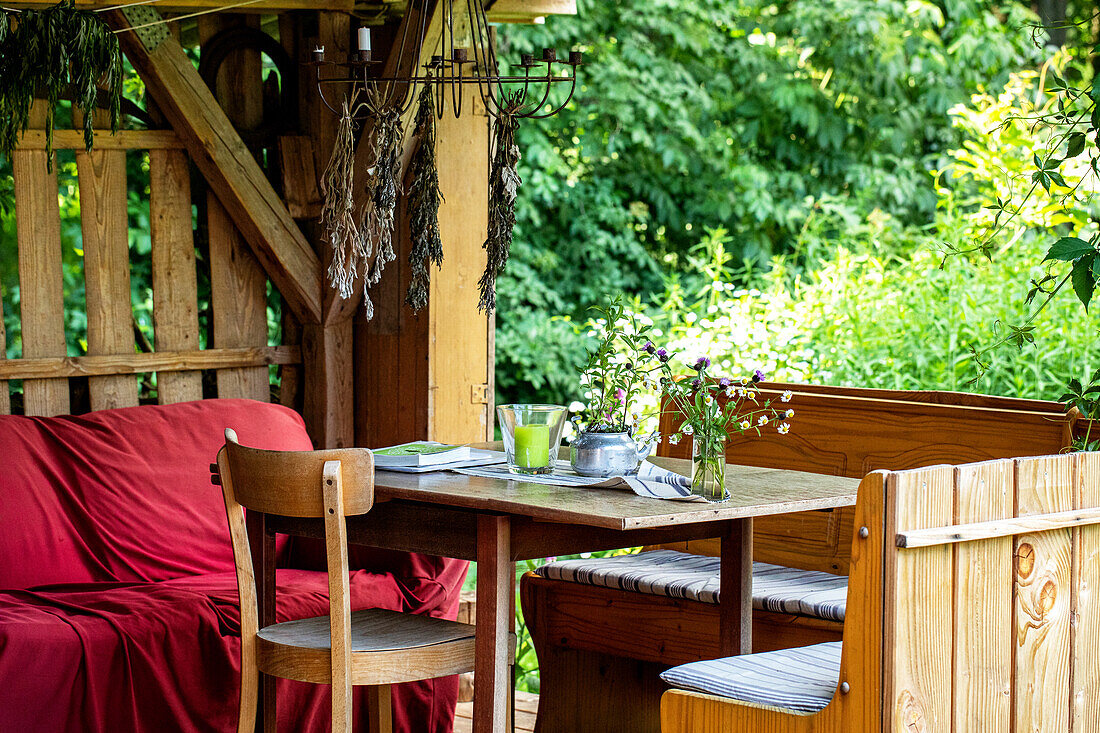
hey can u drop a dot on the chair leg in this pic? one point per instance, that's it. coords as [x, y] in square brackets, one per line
[250, 685]
[380, 717]
[341, 708]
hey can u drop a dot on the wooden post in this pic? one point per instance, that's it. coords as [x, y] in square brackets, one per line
[735, 584]
[495, 595]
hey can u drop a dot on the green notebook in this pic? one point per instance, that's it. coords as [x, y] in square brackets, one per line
[420, 453]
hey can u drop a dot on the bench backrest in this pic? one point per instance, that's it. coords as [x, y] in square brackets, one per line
[852, 432]
[990, 606]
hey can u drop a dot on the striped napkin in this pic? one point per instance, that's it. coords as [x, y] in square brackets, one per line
[651, 481]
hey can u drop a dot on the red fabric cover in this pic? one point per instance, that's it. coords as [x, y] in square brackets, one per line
[118, 602]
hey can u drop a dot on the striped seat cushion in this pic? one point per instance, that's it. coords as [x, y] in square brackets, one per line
[695, 577]
[802, 680]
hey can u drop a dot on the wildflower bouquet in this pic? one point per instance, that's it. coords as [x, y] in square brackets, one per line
[712, 410]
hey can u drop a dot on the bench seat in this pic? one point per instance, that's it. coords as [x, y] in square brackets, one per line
[800, 680]
[681, 575]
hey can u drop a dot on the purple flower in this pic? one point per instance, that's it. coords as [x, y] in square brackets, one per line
[620, 394]
[696, 383]
[649, 348]
[725, 382]
[662, 354]
[758, 376]
[701, 363]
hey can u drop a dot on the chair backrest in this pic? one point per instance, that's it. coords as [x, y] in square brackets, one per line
[331, 484]
[852, 432]
[990, 605]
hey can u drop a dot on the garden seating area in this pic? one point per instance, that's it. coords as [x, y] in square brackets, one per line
[497, 365]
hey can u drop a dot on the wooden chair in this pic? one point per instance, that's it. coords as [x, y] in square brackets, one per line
[371, 647]
[972, 606]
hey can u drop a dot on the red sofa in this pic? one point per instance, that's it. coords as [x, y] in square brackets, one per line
[118, 601]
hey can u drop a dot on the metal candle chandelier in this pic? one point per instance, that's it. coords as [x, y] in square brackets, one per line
[523, 93]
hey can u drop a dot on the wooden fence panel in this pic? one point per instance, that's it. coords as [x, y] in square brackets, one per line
[922, 613]
[105, 227]
[1086, 606]
[983, 603]
[1043, 633]
[38, 232]
[238, 289]
[175, 288]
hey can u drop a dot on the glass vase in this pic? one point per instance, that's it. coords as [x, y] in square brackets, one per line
[532, 436]
[708, 466]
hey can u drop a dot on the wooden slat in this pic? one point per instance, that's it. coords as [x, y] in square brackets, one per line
[161, 361]
[122, 140]
[38, 230]
[977, 531]
[1086, 604]
[103, 217]
[238, 293]
[983, 603]
[921, 615]
[232, 172]
[175, 289]
[5, 395]
[1042, 623]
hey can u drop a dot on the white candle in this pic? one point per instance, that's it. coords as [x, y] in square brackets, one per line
[364, 38]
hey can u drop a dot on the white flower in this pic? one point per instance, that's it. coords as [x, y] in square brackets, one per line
[745, 425]
[708, 400]
[763, 420]
[789, 413]
[688, 430]
[786, 396]
[728, 391]
[751, 395]
[783, 428]
[576, 406]
[674, 439]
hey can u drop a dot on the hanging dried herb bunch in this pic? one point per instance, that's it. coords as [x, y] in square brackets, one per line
[424, 199]
[47, 53]
[503, 186]
[382, 188]
[342, 227]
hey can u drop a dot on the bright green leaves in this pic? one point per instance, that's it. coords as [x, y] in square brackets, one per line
[1083, 277]
[1047, 172]
[1075, 144]
[1068, 249]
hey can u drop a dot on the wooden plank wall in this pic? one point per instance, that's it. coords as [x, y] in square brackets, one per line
[998, 634]
[112, 359]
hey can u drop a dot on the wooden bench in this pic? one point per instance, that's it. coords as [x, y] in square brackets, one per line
[601, 649]
[972, 607]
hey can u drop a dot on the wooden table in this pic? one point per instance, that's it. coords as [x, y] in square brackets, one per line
[498, 522]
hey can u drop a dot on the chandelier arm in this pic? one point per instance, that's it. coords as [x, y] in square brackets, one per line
[485, 69]
[559, 108]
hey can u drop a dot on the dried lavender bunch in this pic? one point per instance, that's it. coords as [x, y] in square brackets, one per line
[48, 50]
[342, 228]
[382, 189]
[424, 199]
[503, 186]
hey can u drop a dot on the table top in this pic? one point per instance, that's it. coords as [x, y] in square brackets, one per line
[754, 492]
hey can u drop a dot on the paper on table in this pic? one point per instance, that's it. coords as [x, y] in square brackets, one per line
[652, 481]
[478, 457]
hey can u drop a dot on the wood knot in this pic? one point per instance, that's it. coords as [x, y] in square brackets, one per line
[1025, 560]
[1048, 594]
[910, 714]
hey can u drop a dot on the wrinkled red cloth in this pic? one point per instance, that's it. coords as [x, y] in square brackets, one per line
[118, 601]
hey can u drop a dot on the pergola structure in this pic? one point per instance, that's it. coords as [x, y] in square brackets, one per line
[253, 147]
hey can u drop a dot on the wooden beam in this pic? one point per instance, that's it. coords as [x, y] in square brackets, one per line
[261, 6]
[528, 11]
[228, 166]
[104, 140]
[976, 531]
[60, 367]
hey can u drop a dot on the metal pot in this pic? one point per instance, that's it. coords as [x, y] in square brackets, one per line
[602, 455]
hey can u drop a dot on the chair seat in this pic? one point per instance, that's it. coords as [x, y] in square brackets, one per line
[800, 680]
[696, 577]
[388, 647]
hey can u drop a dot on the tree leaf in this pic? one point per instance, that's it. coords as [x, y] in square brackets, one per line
[1069, 248]
[1075, 144]
[1083, 280]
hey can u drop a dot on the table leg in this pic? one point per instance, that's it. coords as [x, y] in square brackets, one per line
[495, 579]
[735, 610]
[262, 543]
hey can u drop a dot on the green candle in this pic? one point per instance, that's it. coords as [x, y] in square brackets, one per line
[532, 446]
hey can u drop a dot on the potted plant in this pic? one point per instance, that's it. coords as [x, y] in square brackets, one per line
[614, 375]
